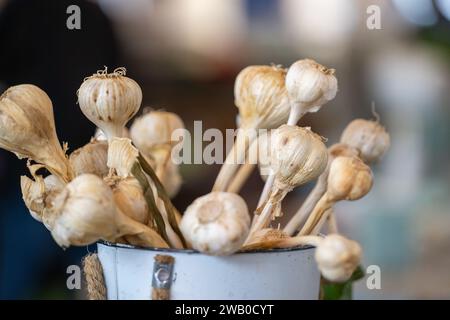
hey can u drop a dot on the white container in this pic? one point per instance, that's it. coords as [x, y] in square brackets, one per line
[260, 274]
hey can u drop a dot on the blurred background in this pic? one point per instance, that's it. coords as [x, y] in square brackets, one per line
[185, 55]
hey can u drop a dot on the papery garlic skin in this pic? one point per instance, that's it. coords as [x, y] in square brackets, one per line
[91, 158]
[261, 97]
[122, 155]
[266, 235]
[299, 156]
[152, 132]
[129, 198]
[27, 128]
[83, 212]
[370, 137]
[110, 101]
[217, 223]
[310, 85]
[39, 194]
[349, 179]
[337, 257]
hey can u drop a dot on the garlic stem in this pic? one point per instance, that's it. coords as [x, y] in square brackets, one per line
[332, 223]
[235, 157]
[262, 220]
[245, 170]
[323, 205]
[325, 218]
[285, 243]
[308, 205]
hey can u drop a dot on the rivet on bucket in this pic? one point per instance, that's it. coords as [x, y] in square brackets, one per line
[162, 277]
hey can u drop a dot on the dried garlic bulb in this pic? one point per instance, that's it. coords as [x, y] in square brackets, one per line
[336, 150]
[39, 193]
[299, 156]
[337, 257]
[262, 100]
[27, 128]
[349, 179]
[90, 158]
[370, 137]
[129, 198]
[309, 85]
[109, 100]
[85, 212]
[216, 223]
[152, 134]
[261, 97]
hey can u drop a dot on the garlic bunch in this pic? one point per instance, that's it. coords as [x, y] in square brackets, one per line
[309, 85]
[85, 212]
[299, 156]
[370, 137]
[262, 100]
[349, 179]
[27, 128]
[217, 223]
[337, 257]
[152, 135]
[109, 100]
[336, 150]
[90, 158]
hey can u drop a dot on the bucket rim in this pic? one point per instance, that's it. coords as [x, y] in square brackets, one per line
[191, 251]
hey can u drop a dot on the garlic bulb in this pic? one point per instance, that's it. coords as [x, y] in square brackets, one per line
[309, 85]
[39, 193]
[216, 223]
[337, 257]
[129, 198]
[85, 211]
[349, 179]
[27, 128]
[261, 97]
[90, 158]
[152, 133]
[109, 100]
[122, 155]
[370, 137]
[299, 156]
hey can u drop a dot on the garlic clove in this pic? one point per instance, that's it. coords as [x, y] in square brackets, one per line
[129, 198]
[261, 97]
[90, 158]
[216, 223]
[122, 155]
[310, 85]
[27, 128]
[337, 257]
[370, 137]
[349, 179]
[110, 100]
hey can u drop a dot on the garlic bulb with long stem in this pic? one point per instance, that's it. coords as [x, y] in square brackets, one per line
[261, 98]
[27, 128]
[309, 86]
[109, 100]
[85, 212]
[368, 136]
[338, 149]
[216, 223]
[349, 179]
[299, 156]
[91, 158]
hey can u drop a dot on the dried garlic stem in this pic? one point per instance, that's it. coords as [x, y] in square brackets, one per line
[284, 243]
[323, 205]
[331, 222]
[245, 170]
[235, 157]
[325, 218]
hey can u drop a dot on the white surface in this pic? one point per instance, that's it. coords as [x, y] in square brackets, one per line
[261, 275]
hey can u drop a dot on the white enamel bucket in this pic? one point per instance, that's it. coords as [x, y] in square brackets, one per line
[274, 274]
